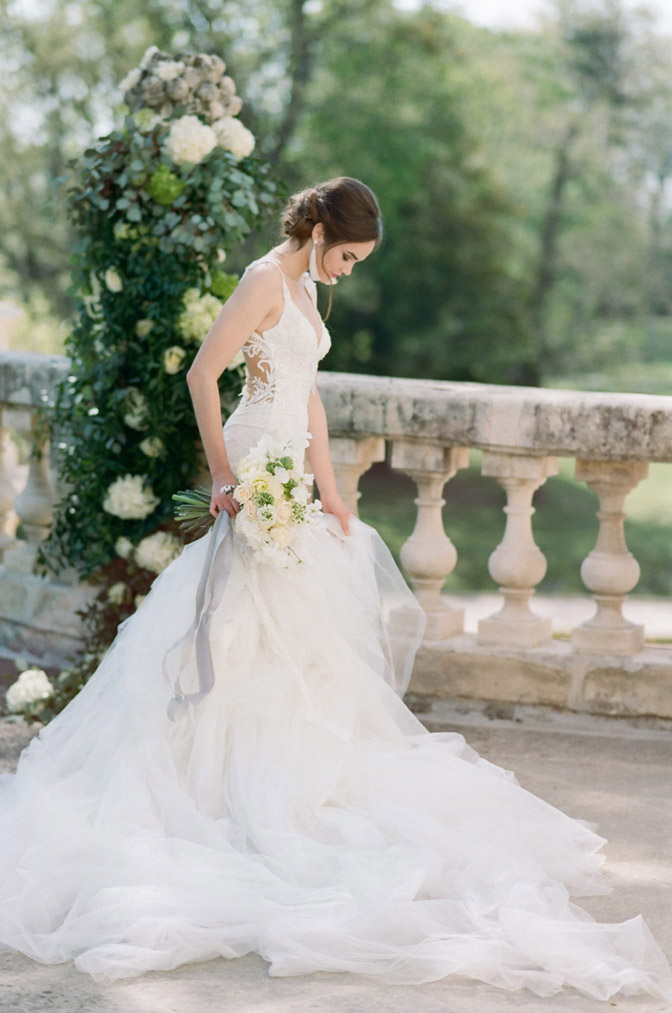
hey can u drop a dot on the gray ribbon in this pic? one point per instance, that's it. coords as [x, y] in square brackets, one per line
[217, 561]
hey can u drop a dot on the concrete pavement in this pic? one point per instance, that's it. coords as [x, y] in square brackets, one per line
[613, 772]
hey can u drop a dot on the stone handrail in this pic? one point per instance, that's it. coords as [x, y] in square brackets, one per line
[425, 429]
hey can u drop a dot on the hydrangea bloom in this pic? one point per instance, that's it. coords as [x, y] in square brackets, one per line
[157, 551]
[189, 140]
[234, 136]
[32, 685]
[128, 497]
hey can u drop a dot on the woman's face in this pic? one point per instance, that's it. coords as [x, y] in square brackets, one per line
[340, 259]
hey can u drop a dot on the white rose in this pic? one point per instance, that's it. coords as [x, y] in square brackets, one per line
[169, 69]
[157, 551]
[123, 547]
[116, 593]
[173, 358]
[113, 280]
[152, 446]
[143, 327]
[190, 140]
[284, 512]
[32, 685]
[137, 409]
[234, 136]
[280, 536]
[128, 498]
[130, 80]
[138, 600]
[241, 493]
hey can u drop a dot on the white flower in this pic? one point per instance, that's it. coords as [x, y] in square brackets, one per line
[173, 358]
[190, 140]
[32, 685]
[157, 551]
[113, 280]
[143, 327]
[137, 409]
[221, 256]
[149, 53]
[267, 514]
[116, 593]
[234, 136]
[128, 498]
[138, 600]
[123, 547]
[169, 69]
[282, 475]
[200, 313]
[130, 80]
[280, 535]
[152, 446]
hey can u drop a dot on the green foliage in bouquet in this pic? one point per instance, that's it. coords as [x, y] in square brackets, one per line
[157, 205]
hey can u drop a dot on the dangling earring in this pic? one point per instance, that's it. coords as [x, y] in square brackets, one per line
[312, 264]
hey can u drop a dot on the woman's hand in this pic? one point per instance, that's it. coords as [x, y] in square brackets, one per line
[333, 504]
[219, 500]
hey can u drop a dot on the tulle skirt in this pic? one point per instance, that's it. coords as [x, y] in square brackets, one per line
[297, 809]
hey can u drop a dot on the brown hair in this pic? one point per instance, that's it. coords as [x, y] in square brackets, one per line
[347, 209]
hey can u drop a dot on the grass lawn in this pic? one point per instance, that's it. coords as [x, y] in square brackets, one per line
[565, 524]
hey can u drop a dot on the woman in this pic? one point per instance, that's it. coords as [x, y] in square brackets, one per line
[240, 773]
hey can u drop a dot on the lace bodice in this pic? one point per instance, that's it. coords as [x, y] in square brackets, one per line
[281, 364]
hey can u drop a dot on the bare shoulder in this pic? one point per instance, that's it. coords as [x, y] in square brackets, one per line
[262, 278]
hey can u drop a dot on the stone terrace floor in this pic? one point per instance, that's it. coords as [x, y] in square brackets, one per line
[613, 772]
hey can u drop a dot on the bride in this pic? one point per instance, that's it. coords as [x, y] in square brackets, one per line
[240, 773]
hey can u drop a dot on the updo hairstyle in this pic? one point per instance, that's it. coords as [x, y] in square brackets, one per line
[347, 209]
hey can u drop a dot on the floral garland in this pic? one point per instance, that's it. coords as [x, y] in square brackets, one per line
[157, 205]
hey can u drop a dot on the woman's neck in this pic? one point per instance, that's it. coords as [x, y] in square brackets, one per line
[294, 261]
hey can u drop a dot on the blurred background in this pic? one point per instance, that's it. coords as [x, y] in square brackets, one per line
[521, 152]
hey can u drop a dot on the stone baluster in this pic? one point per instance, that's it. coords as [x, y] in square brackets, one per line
[517, 564]
[428, 555]
[34, 504]
[610, 571]
[351, 457]
[7, 492]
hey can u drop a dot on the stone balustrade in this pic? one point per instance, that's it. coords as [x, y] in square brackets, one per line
[426, 429]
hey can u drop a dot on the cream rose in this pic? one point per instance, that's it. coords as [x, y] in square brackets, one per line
[173, 359]
[113, 280]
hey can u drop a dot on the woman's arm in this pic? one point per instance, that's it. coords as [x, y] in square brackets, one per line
[255, 304]
[320, 461]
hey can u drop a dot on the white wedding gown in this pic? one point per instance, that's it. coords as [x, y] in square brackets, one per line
[292, 805]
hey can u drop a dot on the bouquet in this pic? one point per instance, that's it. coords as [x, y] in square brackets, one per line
[274, 495]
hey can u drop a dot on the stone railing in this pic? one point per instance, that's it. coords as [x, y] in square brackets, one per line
[425, 429]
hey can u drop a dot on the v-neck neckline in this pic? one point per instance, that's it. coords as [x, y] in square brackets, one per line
[305, 316]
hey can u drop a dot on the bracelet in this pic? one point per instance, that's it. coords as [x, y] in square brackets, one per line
[228, 489]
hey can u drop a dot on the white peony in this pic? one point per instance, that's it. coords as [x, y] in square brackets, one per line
[143, 327]
[169, 70]
[32, 685]
[152, 446]
[173, 359]
[234, 136]
[130, 80]
[157, 551]
[116, 593]
[113, 280]
[137, 409]
[123, 547]
[190, 140]
[199, 314]
[128, 497]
